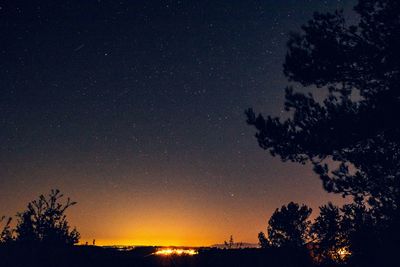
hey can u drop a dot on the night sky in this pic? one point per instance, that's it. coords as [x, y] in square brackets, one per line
[135, 109]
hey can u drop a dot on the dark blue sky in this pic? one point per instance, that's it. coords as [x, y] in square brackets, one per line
[124, 105]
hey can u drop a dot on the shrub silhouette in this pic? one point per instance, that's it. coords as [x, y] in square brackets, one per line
[45, 222]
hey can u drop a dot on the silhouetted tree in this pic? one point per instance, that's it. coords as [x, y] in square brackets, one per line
[45, 222]
[362, 234]
[330, 242]
[356, 125]
[289, 226]
[6, 234]
[229, 244]
[263, 241]
[351, 132]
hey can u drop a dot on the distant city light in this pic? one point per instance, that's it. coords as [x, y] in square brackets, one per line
[344, 253]
[176, 251]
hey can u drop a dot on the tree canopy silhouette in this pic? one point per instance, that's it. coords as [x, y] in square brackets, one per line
[6, 234]
[366, 237]
[328, 235]
[45, 222]
[350, 133]
[288, 226]
[352, 136]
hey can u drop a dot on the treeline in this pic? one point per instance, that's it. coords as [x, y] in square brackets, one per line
[351, 234]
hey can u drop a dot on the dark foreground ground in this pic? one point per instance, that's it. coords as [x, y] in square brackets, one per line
[101, 257]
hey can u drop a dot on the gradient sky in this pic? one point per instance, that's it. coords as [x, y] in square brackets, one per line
[135, 110]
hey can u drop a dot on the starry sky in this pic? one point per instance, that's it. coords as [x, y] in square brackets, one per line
[135, 109]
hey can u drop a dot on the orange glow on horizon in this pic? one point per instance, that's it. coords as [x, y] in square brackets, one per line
[147, 242]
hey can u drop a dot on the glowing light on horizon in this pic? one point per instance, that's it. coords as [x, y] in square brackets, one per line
[176, 251]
